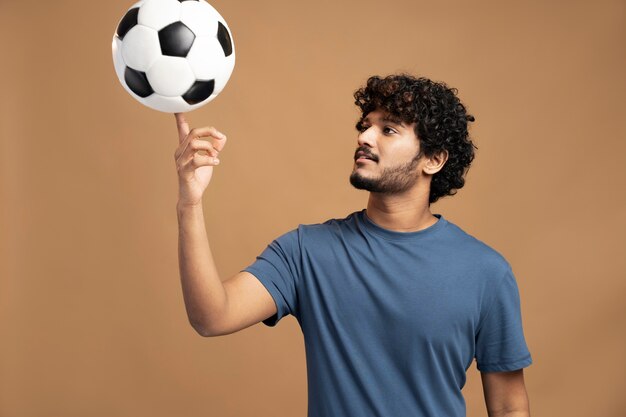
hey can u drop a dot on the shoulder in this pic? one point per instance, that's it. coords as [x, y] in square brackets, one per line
[329, 225]
[329, 230]
[478, 251]
[324, 227]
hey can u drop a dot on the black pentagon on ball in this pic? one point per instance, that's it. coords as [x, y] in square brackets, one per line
[180, 1]
[199, 91]
[224, 37]
[137, 82]
[128, 21]
[176, 39]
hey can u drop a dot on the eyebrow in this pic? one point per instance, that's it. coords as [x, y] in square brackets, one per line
[388, 118]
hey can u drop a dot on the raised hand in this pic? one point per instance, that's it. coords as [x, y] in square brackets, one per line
[195, 169]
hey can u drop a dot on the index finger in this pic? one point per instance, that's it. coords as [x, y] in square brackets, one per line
[182, 126]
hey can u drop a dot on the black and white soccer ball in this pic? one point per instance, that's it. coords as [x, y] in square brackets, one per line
[173, 55]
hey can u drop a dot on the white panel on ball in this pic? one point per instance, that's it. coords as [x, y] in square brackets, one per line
[159, 13]
[170, 76]
[118, 63]
[226, 69]
[166, 104]
[200, 17]
[202, 55]
[141, 47]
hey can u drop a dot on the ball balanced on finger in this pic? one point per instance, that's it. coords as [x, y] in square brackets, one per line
[173, 55]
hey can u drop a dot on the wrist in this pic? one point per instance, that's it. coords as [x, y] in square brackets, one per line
[182, 206]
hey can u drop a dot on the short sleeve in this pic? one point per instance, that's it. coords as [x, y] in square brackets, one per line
[278, 269]
[500, 342]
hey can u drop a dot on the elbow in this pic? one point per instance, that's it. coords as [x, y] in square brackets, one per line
[206, 324]
[203, 332]
[202, 328]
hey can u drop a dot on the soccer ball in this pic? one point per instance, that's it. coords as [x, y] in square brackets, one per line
[173, 55]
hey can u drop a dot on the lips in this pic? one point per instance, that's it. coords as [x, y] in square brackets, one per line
[362, 154]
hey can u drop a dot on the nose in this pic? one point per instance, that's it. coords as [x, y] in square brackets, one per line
[367, 137]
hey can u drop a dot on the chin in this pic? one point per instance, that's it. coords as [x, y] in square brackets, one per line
[361, 183]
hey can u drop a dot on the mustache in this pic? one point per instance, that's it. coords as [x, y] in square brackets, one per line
[366, 153]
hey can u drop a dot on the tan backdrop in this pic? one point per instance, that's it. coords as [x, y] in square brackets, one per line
[92, 319]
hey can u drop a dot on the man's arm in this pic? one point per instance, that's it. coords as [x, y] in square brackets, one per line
[505, 394]
[213, 307]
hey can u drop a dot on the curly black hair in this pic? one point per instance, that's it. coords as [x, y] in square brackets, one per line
[441, 122]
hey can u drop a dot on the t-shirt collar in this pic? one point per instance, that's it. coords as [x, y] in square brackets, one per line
[372, 227]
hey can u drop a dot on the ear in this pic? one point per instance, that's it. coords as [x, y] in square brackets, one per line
[436, 162]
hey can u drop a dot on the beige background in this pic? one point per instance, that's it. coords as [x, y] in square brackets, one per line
[92, 320]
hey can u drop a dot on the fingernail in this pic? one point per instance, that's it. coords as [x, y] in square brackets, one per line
[217, 161]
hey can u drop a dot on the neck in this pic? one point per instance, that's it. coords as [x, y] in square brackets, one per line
[407, 212]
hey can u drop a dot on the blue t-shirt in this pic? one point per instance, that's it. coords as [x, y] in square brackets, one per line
[393, 320]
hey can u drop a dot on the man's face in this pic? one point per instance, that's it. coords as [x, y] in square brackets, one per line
[393, 148]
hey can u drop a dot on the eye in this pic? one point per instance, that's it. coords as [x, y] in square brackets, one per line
[362, 128]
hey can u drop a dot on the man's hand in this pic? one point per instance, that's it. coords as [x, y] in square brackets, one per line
[194, 169]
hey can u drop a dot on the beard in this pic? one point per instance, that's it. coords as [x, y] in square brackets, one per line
[391, 180]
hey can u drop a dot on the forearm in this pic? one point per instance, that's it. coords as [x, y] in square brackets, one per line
[516, 413]
[505, 394]
[203, 290]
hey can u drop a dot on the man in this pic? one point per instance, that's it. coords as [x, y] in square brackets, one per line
[394, 301]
